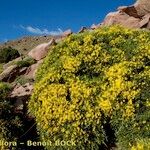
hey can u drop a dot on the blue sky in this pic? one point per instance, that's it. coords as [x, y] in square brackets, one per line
[36, 17]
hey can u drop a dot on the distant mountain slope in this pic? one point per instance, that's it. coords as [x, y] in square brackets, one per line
[25, 44]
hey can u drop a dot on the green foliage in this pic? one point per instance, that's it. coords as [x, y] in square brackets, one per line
[141, 144]
[1, 68]
[4, 89]
[10, 124]
[91, 81]
[23, 80]
[8, 54]
[26, 62]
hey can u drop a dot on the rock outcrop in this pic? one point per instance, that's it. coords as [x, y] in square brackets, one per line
[21, 90]
[41, 50]
[31, 71]
[83, 29]
[20, 94]
[67, 33]
[121, 18]
[5, 66]
[93, 26]
[135, 16]
[9, 74]
[142, 7]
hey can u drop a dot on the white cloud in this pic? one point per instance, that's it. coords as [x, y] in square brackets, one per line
[35, 30]
[4, 40]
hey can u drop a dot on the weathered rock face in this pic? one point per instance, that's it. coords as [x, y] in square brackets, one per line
[145, 21]
[67, 33]
[9, 74]
[22, 90]
[93, 26]
[31, 71]
[136, 16]
[142, 7]
[20, 94]
[11, 62]
[114, 18]
[131, 22]
[83, 29]
[122, 19]
[129, 10]
[41, 50]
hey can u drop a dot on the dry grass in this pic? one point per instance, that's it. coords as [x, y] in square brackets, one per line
[25, 44]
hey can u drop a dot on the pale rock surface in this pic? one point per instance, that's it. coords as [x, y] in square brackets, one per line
[20, 94]
[121, 18]
[31, 71]
[9, 73]
[21, 90]
[67, 32]
[145, 20]
[11, 62]
[41, 50]
[83, 29]
[142, 7]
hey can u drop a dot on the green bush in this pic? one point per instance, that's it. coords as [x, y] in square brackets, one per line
[26, 62]
[23, 80]
[4, 90]
[10, 124]
[8, 54]
[1, 68]
[141, 144]
[93, 88]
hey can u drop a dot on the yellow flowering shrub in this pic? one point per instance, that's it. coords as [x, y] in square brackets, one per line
[141, 145]
[93, 89]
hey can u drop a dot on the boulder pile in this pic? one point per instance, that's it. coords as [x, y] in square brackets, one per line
[135, 16]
